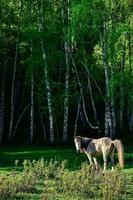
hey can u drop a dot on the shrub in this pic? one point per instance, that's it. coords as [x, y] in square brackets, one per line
[90, 183]
[112, 185]
[59, 182]
[81, 181]
[26, 182]
[13, 183]
[7, 188]
[44, 169]
[34, 167]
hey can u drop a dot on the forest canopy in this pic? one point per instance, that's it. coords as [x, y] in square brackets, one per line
[65, 69]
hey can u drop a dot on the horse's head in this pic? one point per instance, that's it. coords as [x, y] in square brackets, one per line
[78, 143]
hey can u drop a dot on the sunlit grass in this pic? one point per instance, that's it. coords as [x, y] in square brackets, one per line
[10, 154]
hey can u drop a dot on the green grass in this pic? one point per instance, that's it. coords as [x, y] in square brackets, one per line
[8, 156]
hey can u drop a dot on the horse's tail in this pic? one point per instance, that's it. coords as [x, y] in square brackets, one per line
[118, 145]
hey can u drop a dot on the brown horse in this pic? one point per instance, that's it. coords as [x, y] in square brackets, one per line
[105, 146]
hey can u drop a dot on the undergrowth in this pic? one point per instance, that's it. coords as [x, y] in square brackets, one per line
[59, 182]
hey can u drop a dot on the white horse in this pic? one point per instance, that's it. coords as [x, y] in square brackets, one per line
[105, 146]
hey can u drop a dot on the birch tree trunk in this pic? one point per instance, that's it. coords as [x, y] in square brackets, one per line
[32, 109]
[32, 79]
[13, 89]
[67, 60]
[113, 116]
[77, 116]
[112, 66]
[12, 101]
[108, 120]
[112, 104]
[47, 82]
[91, 96]
[19, 119]
[66, 99]
[82, 94]
[121, 88]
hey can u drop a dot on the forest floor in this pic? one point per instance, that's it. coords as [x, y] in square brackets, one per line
[8, 155]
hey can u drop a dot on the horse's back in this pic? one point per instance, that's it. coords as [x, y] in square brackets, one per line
[101, 143]
[105, 140]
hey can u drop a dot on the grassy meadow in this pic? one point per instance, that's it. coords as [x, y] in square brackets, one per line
[47, 173]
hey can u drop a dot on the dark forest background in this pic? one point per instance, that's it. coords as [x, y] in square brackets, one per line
[65, 69]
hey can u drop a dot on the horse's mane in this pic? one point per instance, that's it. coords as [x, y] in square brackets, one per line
[85, 142]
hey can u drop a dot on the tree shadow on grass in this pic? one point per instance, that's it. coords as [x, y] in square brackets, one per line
[9, 155]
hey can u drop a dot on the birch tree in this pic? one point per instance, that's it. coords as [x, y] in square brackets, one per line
[108, 121]
[45, 67]
[65, 12]
[32, 100]
[32, 82]
[12, 100]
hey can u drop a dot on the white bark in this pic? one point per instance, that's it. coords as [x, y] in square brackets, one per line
[82, 95]
[13, 89]
[47, 83]
[19, 119]
[14, 76]
[32, 81]
[113, 116]
[66, 48]
[77, 116]
[121, 88]
[66, 107]
[50, 109]
[91, 96]
[109, 102]
[32, 98]
[32, 109]
[94, 81]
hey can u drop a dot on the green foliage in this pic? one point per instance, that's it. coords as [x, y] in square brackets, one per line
[80, 24]
[7, 187]
[113, 185]
[55, 178]
[86, 181]
[89, 183]
[81, 181]
[44, 169]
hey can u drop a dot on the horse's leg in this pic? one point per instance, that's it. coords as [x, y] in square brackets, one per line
[105, 160]
[112, 158]
[90, 158]
[96, 163]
